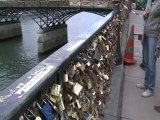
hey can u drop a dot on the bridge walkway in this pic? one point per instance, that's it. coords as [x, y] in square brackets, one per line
[125, 102]
[134, 106]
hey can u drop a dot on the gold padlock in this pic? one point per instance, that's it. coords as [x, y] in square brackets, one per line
[82, 67]
[84, 107]
[61, 105]
[52, 99]
[78, 104]
[77, 88]
[94, 44]
[69, 112]
[56, 90]
[89, 85]
[74, 114]
[65, 77]
[90, 117]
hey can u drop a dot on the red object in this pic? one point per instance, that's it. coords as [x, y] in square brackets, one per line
[129, 52]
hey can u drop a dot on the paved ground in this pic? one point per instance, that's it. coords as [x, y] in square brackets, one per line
[134, 106]
[125, 101]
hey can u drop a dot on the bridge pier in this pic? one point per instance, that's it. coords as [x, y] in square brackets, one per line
[52, 37]
[10, 29]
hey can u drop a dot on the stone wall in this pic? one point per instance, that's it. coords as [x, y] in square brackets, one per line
[10, 30]
[52, 38]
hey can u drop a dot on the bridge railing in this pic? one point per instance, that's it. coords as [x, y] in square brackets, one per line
[18, 97]
[57, 3]
[32, 3]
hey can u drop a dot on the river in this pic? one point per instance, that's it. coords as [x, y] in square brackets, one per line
[19, 55]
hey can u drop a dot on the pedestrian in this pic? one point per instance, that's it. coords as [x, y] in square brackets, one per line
[151, 31]
[145, 16]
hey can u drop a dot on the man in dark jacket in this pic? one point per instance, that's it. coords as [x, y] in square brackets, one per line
[152, 31]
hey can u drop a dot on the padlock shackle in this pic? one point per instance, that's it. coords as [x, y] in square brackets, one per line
[31, 112]
[39, 105]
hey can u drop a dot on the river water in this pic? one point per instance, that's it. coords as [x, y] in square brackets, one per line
[19, 55]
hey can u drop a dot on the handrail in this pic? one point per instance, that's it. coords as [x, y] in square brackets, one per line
[19, 95]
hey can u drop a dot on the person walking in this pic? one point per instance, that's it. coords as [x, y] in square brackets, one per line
[151, 31]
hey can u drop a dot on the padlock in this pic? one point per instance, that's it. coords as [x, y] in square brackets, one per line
[21, 118]
[89, 97]
[89, 107]
[97, 56]
[89, 83]
[61, 105]
[65, 78]
[84, 107]
[82, 81]
[56, 88]
[89, 55]
[101, 47]
[38, 118]
[90, 117]
[69, 97]
[47, 110]
[94, 44]
[92, 76]
[82, 66]
[29, 115]
[97, 70]
[74, 114]
[56, 102]
[53, 98]
[77, 88]
[69, 112]
[106, 77]
[89, 63]
[78, 103]
[71, 72]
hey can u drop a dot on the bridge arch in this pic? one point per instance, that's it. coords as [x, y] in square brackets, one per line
[47, 17]
[51, 21]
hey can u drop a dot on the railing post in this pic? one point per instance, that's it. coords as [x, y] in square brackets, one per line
[118, 49]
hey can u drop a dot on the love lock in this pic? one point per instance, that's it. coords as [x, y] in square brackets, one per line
[47, 110]
[56, 88]
[29, 115]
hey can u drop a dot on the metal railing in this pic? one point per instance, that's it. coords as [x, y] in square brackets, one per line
[15, 99]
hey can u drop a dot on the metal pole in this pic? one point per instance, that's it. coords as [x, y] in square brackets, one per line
[118, 49]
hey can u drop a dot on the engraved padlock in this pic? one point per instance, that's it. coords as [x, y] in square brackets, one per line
[56, 88]
[77, 88]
